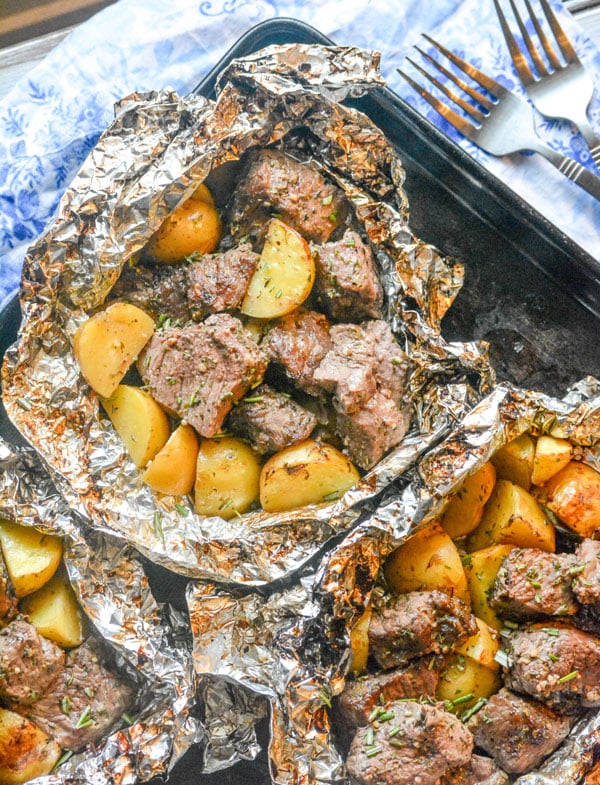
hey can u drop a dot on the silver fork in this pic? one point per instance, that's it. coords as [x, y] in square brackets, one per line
[558, 90]
[503, 124]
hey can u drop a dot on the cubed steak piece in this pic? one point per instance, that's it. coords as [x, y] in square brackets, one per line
[531, 584]
[418, 623]
[199, 371]
[161, 291]
[556, 664]
[417, 744]
[356, 703]
[8, 601]
[586, 572]
[29, 664]
[478, 771]
[347, 284]
[518, 732]
[218, 282]
[85, 701]
[275, 183]
[271, 420]
[297, 343]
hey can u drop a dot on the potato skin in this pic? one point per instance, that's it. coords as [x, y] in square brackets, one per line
[31, 557]
[194, 227]
[227, 477]
[573, 494]
[26, 751]
[465, 507]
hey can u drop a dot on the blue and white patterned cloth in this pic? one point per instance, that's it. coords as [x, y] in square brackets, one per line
[53, 117]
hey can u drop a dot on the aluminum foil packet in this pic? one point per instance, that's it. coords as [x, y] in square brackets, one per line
[153, 156]
[150, 641]
[293, 645]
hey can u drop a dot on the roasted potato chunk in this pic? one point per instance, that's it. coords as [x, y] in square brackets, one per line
[26, 752]
[107, 344]
[173, 469]
[31, 557]
[465, 507]
[227, 477]
[573, 494]
[482, 647]
[54, 611]
[514, 461]
[481, 568]
[464, 680]
[359, 642]
[551, 455]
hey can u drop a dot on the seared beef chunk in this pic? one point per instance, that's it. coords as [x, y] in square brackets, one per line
[29, 664]
[275, 183]
[478, 771]
[556, 664]
[586, 571]
[297, 343]
[218, 282]
[361, 696]
[418, 623]
[201, 370]
[85, 694]
[517, 732]
[161, 291]
[8, 601]
[348, 284]
[271, 420]
[532, 583]
[366, 372]
[427, 742]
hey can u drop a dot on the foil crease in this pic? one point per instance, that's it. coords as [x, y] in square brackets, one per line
[151, 159]
[303, 656]
[150, 642]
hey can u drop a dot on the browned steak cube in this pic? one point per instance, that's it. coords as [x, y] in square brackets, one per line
[586, 572]
[518, 732]
[347, 283]
[8, 601]
[418, 623]
[478, 771]
[275, 183]
[416, 743]
[556, 664]
[271, 420]
[531, 584]
[297, 343]
[29, 664]
[218, 282]
[161, 291]
[199, 371]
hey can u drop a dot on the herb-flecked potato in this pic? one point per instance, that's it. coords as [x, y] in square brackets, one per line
[26, 752]
[481, 568]
[359, 642]
[573, 494]
[227, 477]
[551, 455]
[54, 611]
[173, 469]
[464, 680]
[514, 461]
[31, 557]
[465, 507]
[482, 647]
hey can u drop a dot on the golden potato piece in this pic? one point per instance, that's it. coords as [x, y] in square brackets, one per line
[514, 517]
[306, 473]
[514, 461]
[140, 422]
[284, 275]
[173, 469]
[359, 642]
[227, 477]
[481, 568]
[573, 494]
[482, 647]
[551, 455]
[464, 680]
[25, 750]
[194, 228]
[107, 344]
[31, 557]
[55, 612]
[427, 560]
[465, 507]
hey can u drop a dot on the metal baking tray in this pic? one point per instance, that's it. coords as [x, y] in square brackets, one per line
[529, 291]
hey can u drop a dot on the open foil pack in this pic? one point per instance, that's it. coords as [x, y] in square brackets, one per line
[293, 646]
[153, 156]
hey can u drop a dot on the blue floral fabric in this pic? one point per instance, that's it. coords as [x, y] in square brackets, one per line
[53, 117]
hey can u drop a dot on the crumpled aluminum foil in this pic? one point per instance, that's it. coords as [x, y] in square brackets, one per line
[150, 159]
[151, 642]
[293, 646]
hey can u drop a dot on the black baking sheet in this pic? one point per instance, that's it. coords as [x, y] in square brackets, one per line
[529, 291]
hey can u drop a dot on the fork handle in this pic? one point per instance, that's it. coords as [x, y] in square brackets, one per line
[587, 180]
[593, 142]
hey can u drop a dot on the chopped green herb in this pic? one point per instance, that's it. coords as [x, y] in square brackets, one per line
[158, 526]
[25, 403]
[65, 705]
[85, 719]
[371, 751]
[473, 709]
[182, 510]
[568, 677]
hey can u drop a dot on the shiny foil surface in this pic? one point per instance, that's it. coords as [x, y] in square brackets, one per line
[293, 645]
[152, 157]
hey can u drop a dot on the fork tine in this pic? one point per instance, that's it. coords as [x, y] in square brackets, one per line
[566, 48]
[462, 125]
[546, 45]
[481, 99]
[531, 48]
[472, 111]
[518, 59]
[490, 85]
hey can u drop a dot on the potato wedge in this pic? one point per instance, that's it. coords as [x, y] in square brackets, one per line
[173, 469]
[227, 477]
[31, 557]
[462, 677]
[359, 642]
[54, 611]
[427, 560]
[465, 507]
[514, 461]
[140, 422]
[306, 473]
[193, 228]
[107, 344]
[284, 275]
[482, 647]
[551, 455]
[573, 494]
[512, 516]
[481, 568]
[26, 752]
